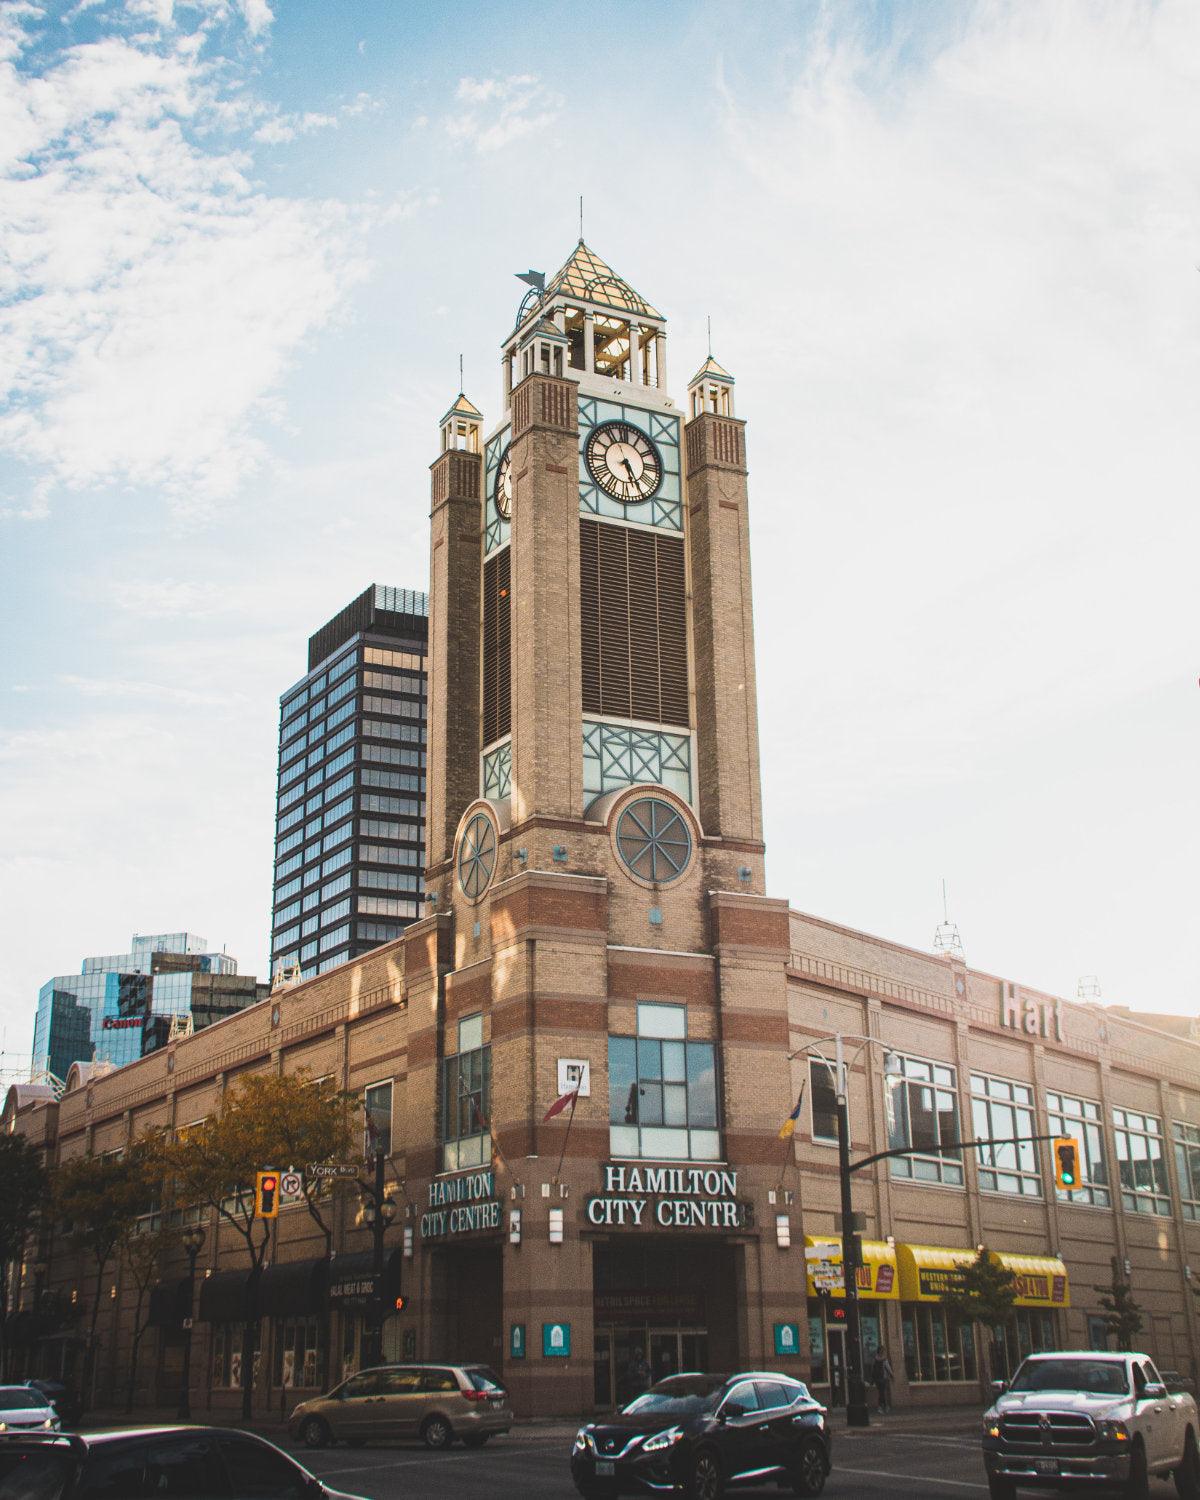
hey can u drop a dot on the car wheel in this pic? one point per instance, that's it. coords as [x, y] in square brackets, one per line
[477, 1439]
[708, 1483]
[1000, 1488]
[1187, 1475]
[1137, 1486]
[436, 1433]
[810, 1470]
[314, 1432]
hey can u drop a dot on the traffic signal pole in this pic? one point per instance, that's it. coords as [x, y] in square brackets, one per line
[857, 1413]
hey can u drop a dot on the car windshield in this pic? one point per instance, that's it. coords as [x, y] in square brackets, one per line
[680, 1396]
[1095, 1377]
[19, 1397]
[33, 1474]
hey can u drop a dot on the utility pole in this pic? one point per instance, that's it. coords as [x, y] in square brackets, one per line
[857, 1413]
[379, 1213]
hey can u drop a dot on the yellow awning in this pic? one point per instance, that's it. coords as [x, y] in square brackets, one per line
[876, 1277]
[1042, 1280]
[928, 1272]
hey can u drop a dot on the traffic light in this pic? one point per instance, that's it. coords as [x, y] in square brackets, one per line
[266, 1195]
[1066, 1162]
[401, 1303]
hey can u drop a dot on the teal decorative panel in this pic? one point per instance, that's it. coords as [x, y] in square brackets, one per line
[665, 509]
[497, 772]
[495, 527]
[620, 755]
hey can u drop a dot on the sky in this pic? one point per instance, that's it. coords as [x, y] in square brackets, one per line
[951, 253]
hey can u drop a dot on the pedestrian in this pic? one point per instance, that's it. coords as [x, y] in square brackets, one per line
[881, 1374]
[637, 1374]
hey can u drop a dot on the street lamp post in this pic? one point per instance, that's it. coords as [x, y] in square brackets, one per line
[378, 1213]
[193, 1240]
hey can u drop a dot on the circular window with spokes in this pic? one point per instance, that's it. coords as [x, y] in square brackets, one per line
[654, 840]
[477, 856]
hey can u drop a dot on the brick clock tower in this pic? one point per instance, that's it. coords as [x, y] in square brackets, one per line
[597, 919]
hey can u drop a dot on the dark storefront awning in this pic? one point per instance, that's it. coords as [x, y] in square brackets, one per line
[351, 1276]
[295, 1288]
[170, 1304]
[223, 1297]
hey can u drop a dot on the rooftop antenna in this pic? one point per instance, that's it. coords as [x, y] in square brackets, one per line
[946, 939]
[1087, 989]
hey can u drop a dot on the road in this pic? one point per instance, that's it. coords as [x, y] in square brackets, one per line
[884, 1460]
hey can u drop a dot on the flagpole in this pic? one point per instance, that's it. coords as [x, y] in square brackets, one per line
[566, 1136]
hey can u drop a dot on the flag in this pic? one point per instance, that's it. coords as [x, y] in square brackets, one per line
[560, 1104]
[789, 1124]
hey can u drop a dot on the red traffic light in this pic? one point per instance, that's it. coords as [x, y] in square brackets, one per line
[268, 1184]
[401, 1303]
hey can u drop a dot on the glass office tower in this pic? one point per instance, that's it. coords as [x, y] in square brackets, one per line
[122, 1005]
[350, 814]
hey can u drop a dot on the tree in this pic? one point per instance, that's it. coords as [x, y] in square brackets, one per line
[985, 1293]
[143, 1252]
[98, 1200]
[24, 1180]
[1122, 1314]
[265, 1120]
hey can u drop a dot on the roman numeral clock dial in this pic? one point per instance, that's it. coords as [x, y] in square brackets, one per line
[624, 462]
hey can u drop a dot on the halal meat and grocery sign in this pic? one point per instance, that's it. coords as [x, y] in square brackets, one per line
[637, 1197]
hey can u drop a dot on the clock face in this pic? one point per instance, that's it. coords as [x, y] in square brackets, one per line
[502, 494]
[624, 462]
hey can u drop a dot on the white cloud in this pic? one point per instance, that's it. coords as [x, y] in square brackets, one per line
[502, 110]
[151, 296]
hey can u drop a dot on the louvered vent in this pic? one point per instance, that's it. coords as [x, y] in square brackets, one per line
[497, 647]
[634, 624]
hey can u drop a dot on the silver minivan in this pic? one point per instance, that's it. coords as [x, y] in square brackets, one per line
[436, 1403]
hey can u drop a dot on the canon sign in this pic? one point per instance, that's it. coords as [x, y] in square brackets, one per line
[121, 1023]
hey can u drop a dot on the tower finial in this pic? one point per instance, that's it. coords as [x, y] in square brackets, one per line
[581, 218]
[710, 335]
[461, 386]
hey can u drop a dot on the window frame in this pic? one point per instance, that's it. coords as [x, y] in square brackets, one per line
[819, 1138]
[1094, 1191]
[943, 1167]
[457, 1143]
[1185, 1139]
[675, 1080]
[1134, 1198]
[380, 1083]
[985, 1098]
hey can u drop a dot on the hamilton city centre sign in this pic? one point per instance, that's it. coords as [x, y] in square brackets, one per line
[637, 1197]
[458, 1205]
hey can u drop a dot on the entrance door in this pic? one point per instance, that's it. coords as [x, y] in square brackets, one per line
[835, 1340]
[672, 1350]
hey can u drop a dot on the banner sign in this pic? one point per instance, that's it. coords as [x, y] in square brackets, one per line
[637, 1197]
[458, 1205]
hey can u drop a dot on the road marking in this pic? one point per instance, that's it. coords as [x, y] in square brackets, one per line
[964, 1484]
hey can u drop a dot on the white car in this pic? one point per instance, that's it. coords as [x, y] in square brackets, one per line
[1090, 1420]
[22, 1409]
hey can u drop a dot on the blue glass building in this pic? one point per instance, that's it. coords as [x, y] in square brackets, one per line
[121, 1006]
[350, 812]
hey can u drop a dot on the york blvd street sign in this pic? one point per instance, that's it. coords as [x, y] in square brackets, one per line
[333, 1169]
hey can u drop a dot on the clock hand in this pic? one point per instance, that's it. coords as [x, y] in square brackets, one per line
[629, 470]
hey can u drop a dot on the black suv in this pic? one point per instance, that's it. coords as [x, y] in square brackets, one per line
[153, 1461]
[700, 1435]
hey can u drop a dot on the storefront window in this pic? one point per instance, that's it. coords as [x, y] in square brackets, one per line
[937, 1346]
[1081, 1118]
[226, 1354]
[467, 1099]
[823, 1094]
[1141, 1164]
[1097, 1331]
[1001, 1110]
[297, 1352]
[1187, 1161]
[662, 1090]
[1028, 1331]
[922, 1113]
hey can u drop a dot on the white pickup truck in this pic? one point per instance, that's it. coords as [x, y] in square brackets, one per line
[1090, 1421]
